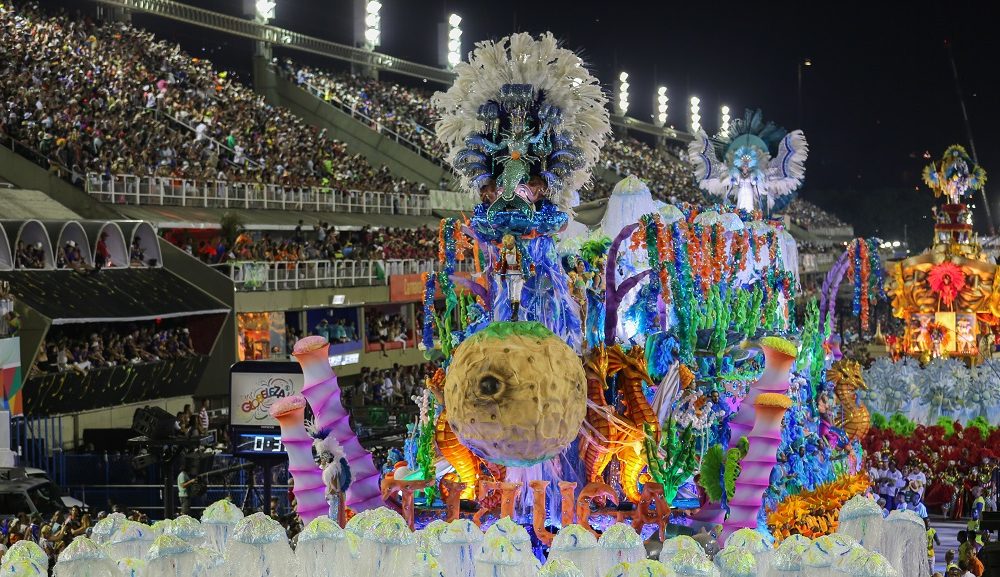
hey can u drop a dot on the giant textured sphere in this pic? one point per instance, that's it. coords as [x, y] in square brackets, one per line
[516, 394]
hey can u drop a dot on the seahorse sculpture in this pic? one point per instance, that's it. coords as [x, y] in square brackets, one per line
[847, 379]
[467, 464]
[607, 433]
[458, 455]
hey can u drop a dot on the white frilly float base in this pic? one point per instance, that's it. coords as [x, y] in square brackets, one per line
[379, 543]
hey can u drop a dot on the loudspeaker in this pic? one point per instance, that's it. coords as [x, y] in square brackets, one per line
[154, 423]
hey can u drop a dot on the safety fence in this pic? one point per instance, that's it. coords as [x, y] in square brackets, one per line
[293, 275]
[197, 193]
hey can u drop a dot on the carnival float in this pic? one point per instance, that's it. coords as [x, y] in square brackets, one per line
[941, 365]
[947, 296]
[643, 387]
[648, 371]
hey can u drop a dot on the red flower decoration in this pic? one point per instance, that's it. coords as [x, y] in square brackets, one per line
[947, 280]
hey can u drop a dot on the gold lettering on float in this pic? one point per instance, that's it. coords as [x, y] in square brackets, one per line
[652, 507]
[587, 495]
[392, 486]
[508, 497]
[453, 498]
[652, 494]
[538, 510]
[567, 489]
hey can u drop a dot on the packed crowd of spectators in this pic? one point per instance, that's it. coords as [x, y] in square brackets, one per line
[807, 247]
[408, 112]
[85, 348]
[323, 242]
[401, 109]
[393, 386]
[808, 215]
[383, 327]
[112, 99]
[669, 179]
[52, 532]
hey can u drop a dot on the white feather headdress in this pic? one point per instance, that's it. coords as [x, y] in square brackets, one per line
[557, 73]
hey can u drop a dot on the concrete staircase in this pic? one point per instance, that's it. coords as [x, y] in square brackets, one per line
[379, 149]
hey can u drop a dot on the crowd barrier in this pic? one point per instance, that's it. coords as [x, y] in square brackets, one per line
[185, 192]
[293, 275]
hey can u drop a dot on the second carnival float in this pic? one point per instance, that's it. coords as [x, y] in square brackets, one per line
[629, 399]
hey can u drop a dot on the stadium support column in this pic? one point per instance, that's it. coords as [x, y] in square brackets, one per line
[367, 16]
[262, 11]
[106, 13]
[264, 72]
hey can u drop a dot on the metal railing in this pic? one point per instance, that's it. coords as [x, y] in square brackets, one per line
[377, 125]
[148, 498]
[248, 162]
[43, 160]
[186, 192]
[294, 275]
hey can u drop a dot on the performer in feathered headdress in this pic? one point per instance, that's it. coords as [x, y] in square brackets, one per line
[761, 164]
[955, 175]
[524, 122]
[336, 471]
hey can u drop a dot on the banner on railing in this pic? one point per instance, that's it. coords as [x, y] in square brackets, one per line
[410, 287]
[252, 274]
[10, 374]
[455, 201]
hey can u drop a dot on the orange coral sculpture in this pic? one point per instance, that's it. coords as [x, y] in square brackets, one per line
[815, 513]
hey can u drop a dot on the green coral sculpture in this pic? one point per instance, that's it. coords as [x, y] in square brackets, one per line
[720, 469]
[671, 461]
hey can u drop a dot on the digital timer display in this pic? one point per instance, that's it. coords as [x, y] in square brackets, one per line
[261, 444]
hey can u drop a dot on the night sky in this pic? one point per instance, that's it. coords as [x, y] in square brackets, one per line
[880, 92]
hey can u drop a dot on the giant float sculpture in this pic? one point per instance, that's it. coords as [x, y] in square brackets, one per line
[948, 296]
[646, 370]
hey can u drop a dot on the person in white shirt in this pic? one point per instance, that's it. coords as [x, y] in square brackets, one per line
[888, 480]
[203, 420]
[910, 501]
[916, 480]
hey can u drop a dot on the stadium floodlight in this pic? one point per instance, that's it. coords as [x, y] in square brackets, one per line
[661, 105]
[454, 40]
[695, 116]
[265, 9]
[623, 93]
[373, 24]
[725, 120]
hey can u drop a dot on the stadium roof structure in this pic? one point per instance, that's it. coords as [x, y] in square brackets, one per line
[112, 295]
[26, 204]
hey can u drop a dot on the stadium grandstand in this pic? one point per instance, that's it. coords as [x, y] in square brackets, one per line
[162, 221]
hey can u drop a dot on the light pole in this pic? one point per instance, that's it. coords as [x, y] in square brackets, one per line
[695, 116]
[265, 10]
[661, 105]
[724, 129]
[623, 93]
[454, 40]
[803, 62]
[373, 24]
